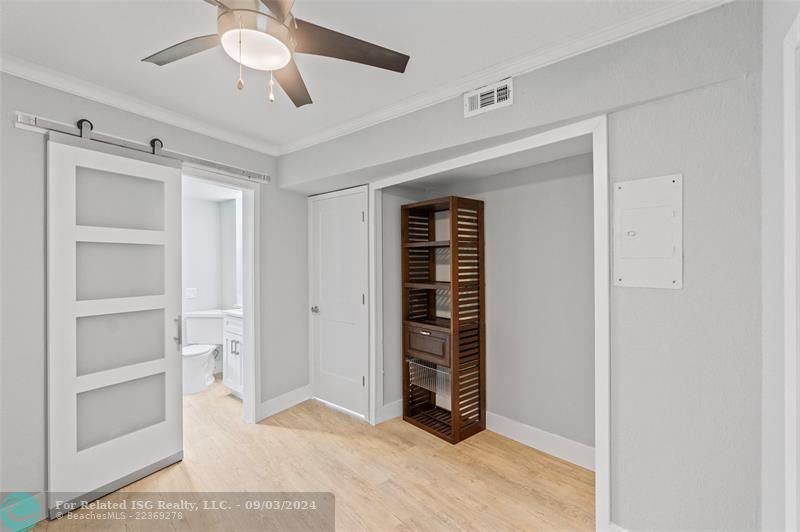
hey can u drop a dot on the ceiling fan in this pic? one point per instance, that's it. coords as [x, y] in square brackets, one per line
[265, 35]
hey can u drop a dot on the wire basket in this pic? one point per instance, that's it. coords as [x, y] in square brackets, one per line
[429, 376]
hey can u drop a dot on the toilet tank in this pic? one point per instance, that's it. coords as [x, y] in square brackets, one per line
[202, 327]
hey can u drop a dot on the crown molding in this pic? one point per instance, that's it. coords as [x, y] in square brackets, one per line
[58, 80]
[515, 67]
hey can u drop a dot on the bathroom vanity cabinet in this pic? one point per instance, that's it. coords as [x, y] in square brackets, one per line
[232, 352]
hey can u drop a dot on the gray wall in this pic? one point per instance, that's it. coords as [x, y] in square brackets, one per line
[540, 296]
[392, 199]
[230, 250]
[202, 254]
[686, 387]
[284, 293]
[685, 365]
[778, 16]
[284, 354]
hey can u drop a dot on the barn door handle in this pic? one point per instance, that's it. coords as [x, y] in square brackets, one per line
[178, 339]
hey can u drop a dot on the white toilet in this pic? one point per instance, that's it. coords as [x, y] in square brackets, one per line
[198, 367]
[202, 335]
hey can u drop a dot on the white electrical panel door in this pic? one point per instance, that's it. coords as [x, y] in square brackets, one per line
[648, 232]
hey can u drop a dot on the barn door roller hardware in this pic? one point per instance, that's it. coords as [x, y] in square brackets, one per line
[84, 129]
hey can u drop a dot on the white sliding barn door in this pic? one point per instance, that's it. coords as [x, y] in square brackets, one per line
[340, 319]
[114, 360]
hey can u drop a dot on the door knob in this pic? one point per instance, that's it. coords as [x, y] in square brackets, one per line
[315, 309]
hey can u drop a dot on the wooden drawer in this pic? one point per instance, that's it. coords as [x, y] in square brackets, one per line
[427, 344]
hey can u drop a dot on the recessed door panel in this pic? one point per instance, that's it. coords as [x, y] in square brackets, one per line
[109, 341]
[108, 199]
[110, 412]
[112, 270]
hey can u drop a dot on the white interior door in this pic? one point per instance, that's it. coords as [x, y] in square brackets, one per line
[114, 362]
[339, 325]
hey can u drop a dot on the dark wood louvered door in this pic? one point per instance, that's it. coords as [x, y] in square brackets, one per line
[444, 388]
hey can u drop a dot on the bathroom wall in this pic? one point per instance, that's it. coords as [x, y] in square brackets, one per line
[230, 249]
[202, 254]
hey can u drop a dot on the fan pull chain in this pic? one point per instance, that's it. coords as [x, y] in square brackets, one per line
[240, 82]
[271, 87]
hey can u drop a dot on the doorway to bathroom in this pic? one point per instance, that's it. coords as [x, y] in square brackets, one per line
[218, 270]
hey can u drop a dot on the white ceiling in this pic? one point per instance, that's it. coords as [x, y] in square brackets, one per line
[102, 42]
[200, 189]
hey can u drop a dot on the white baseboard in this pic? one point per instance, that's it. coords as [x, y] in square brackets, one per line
[341, 409]
[282, 402]
[390, 411]
[559, 446]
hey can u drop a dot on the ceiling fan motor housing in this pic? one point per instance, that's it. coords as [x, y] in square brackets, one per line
[253, 15]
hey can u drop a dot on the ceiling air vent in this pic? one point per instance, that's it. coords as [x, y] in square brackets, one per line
[488, 98]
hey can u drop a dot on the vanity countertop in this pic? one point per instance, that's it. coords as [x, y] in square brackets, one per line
[209, 313]
[233, 312]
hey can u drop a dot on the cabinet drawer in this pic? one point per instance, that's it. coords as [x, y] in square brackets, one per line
[233, 324]
[427, 344]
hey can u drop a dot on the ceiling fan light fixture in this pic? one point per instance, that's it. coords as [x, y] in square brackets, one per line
[259, 50]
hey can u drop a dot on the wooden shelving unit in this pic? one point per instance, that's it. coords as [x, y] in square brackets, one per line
[444, 349]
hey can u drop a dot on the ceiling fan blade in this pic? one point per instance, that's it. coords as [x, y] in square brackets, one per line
[279, 8]
[292, 83]
[183, 49]
[316, 40]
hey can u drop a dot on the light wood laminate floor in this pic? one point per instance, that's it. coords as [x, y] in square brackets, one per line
[390, 477]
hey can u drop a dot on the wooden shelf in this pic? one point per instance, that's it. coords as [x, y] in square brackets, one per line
[432, 244]
[429, 285]
[435, 420]
[437, 324]
[438, 204]
[443, 358]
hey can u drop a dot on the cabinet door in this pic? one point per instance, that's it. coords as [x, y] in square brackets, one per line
[232, 363]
